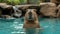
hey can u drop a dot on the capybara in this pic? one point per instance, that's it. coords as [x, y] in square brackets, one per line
[31, 19]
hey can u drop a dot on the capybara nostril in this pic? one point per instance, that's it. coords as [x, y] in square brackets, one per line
[30, 16]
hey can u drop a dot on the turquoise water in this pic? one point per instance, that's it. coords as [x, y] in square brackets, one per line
[15, 26]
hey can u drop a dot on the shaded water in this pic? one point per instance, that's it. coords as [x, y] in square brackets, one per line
[15, 26]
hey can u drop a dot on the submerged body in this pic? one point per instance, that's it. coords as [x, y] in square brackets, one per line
[31, 30]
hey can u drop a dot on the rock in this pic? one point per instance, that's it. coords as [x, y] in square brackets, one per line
[55, 1]
[7, 6]
[17, 14]
[0, 12]
[58, 12]
[48, 9]
[7, 10]
[2, 4]
[6, 16]
[22, 6]
[27, 6]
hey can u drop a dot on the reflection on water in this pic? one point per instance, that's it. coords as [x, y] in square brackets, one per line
[15, 26]
[31, 30]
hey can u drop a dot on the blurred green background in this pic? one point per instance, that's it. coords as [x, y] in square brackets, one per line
[16, 2]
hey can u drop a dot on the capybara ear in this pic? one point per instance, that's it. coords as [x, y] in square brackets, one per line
[34, 10]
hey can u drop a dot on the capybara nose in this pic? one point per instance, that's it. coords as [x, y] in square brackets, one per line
[30, 16]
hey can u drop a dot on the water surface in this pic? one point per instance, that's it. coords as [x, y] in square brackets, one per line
[15, 26]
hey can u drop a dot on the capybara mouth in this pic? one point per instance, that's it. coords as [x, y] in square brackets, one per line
[30, 21]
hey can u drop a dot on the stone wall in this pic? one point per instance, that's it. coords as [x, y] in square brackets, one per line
[8, 9]
[45, 9]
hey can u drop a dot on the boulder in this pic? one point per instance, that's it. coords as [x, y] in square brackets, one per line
[17, 13]
[58, 12]
[55, 1]
[2, 4]
[7, 10]
[7, 6]
[48, 9]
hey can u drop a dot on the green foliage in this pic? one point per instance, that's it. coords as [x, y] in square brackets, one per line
[1, 1]
[16, 2]
[13, 2]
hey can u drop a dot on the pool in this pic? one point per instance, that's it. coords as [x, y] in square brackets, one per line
[15, 26]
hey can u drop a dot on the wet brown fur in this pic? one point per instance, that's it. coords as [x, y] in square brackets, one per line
[33, 24]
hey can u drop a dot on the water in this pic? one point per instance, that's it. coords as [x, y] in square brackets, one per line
[15, 26]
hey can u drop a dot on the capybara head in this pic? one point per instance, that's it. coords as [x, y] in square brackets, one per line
[30, 14]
